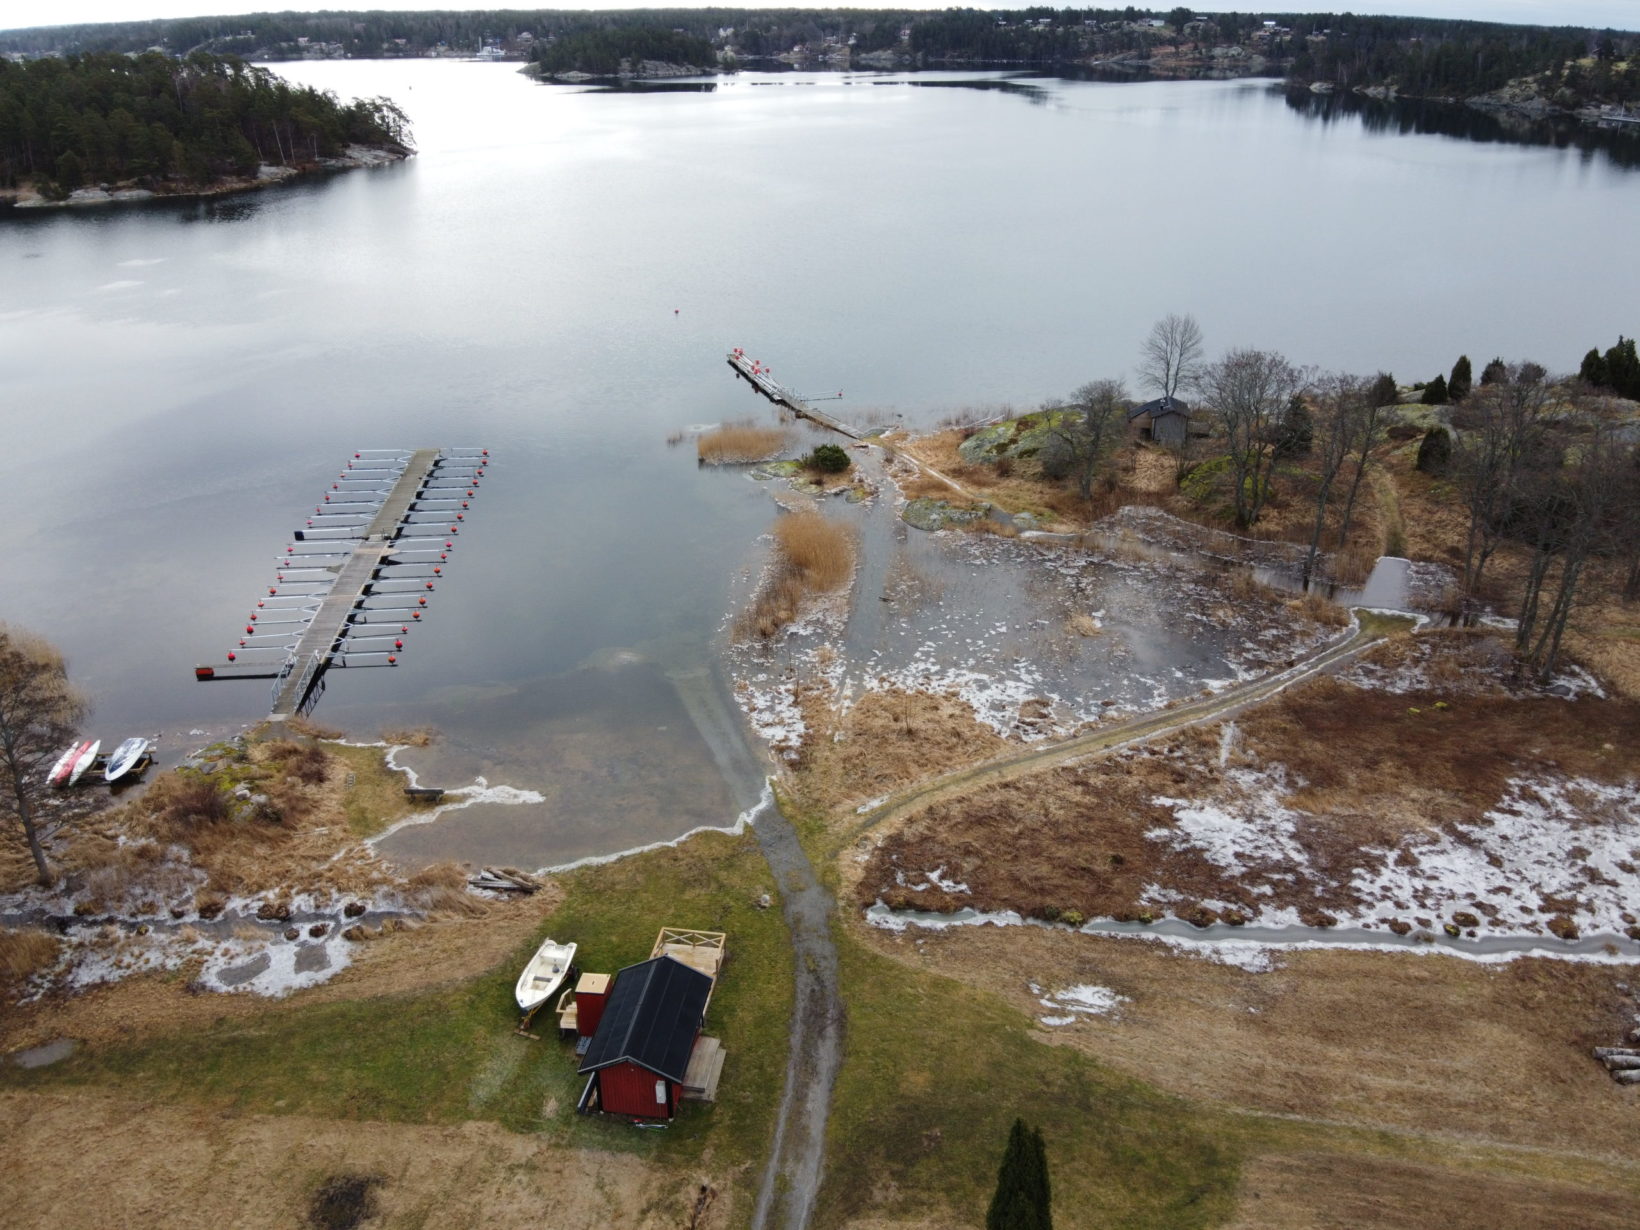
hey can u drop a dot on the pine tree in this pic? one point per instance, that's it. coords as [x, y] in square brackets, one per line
[1385, 392]
[1460, 381]
[1435, 392]
[1023, 1200]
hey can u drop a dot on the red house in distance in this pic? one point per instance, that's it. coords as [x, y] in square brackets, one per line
[640, 1054]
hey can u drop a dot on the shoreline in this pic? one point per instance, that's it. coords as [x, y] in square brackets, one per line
[267, 175]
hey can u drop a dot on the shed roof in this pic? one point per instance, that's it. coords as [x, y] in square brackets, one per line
[651, 1019]
[1161, 406]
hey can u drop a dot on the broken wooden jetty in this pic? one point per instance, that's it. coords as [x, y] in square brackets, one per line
[758, 375]
[354, 581]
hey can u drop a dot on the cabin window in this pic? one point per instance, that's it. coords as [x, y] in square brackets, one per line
[660, 1093]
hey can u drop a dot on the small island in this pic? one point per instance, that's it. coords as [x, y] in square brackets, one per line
[104, 127]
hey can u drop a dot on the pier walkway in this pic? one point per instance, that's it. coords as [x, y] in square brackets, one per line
[313, 652]
[379, 532]
[782, 396]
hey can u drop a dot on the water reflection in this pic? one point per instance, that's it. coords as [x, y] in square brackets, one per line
[1403, 117]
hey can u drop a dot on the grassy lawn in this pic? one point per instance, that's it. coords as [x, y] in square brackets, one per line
[450, 1055]
[932, 1078]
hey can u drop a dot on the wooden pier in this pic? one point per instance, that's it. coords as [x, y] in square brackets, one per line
[379, 503]
[760, 380]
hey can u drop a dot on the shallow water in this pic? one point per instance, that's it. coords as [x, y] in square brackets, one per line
[557, 275]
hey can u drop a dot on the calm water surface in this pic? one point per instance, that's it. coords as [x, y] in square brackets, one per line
[557, 275]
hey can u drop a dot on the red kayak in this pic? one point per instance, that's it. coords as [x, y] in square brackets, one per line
[64, 768]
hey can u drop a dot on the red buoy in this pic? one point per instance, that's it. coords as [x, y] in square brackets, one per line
[231, 657]
[391, 660]
[485, 451]
[242, 642]
[416, 614]
[421, 602]
[437, 571]
[272, 591]
[398, 644]
[429, 585]
[253, 618]
[249, 630]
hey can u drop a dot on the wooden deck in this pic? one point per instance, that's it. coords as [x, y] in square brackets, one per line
[700, 1080]
[782, 396]
[699, 950]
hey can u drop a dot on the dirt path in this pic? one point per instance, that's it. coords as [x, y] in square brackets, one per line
[1369, 629]
[791, 1177]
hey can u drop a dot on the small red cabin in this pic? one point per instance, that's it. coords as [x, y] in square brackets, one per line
[640, 1055]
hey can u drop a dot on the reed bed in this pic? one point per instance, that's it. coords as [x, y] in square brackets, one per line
[740, 442]
[813, 555]
[26, 951]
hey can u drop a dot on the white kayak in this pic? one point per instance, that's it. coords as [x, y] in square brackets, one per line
[544, 974]
[65, 763]
[88, 757]
[124, 758]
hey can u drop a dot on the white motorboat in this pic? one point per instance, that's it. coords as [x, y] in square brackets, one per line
[545, 973]
[127, 756]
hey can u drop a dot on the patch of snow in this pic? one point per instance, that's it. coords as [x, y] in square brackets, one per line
[1259, 829]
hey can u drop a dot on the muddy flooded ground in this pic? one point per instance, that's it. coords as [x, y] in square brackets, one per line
[1039, 638]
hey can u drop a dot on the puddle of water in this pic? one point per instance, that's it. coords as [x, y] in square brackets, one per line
[45, 1056]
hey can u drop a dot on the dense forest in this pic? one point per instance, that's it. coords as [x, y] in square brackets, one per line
[169, 124]
[1413, 56]
[601, 52]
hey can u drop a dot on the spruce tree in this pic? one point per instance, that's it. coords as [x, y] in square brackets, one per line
[1497, 371]
[1296, 434]
[1023, 1199]
[1435, 392]
[1594, 369]
[1462, 378]
[1385, 392]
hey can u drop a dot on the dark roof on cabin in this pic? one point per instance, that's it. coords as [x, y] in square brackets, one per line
[652, 1017]
[1162, 405]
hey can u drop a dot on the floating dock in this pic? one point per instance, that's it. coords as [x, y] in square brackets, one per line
[384, 530]
[754, 371]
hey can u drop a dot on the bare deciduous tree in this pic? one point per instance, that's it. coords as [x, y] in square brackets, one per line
[1568, 511]
[1171, 358]
[1250, 390]
[39, 714]
[1088, 429]
[1338, 405]
[1501, 427]
[1366, 433]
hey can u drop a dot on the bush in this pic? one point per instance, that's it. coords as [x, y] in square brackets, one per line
[828, 459]
[1435, 392]
[1435, 453]
[1385, 392]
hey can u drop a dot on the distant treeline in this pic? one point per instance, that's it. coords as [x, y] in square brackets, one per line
[601, 52]
[168, 123]
[1419, 56]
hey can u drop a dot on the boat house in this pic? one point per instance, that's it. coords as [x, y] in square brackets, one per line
[640, 1058]
[1165, 420]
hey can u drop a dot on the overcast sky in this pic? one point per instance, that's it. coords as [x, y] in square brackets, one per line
[1620, 14]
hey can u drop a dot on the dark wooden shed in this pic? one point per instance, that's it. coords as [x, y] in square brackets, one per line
[1165, 420]
[640, 1054]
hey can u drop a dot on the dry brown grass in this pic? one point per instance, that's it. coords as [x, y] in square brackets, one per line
[883, 741]
[1353, 564]
[740, 442]
[1083, 624]
[313, 730]
[413, 736]
[819, 550]
[306, 762]
[1314, 607]
[1375, 768]
[813, 555]
[26, 951]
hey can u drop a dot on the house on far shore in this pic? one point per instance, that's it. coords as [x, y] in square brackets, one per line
[647, 1053]
[1165, 420]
